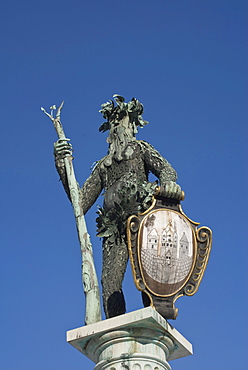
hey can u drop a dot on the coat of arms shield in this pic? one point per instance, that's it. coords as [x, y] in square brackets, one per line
[168, 253]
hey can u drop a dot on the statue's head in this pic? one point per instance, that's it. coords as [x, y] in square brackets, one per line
[126, 114]
[123, 120]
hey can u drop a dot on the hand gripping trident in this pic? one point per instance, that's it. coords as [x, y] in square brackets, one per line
[89, 277]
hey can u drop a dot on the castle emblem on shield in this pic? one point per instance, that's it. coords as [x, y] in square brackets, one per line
[167, 254]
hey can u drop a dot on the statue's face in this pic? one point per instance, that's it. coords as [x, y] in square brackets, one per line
[120, 134]
[123, 131]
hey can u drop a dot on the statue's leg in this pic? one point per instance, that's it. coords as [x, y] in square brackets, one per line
[115, 259]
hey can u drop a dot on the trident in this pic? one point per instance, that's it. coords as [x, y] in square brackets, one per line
[89, 277]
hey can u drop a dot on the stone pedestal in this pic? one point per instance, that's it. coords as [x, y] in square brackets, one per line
[139, 340]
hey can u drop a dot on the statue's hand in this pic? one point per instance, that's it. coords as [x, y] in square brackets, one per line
[62, 148]
[173, 190]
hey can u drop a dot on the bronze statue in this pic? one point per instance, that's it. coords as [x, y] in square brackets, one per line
[123, 176]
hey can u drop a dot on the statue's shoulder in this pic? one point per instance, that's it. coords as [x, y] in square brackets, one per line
[97, 165]
[144, 145]
[150, 153]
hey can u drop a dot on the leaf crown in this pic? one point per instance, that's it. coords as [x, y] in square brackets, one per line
[115, 111]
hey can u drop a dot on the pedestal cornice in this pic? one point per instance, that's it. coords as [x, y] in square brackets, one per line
[141, 339]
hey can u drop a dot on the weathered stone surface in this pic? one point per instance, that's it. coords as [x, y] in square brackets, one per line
[141, 339]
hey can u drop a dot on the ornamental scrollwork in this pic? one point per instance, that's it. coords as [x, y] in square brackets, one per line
[204, 244]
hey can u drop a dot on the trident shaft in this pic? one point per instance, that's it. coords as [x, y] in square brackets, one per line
[89, 277]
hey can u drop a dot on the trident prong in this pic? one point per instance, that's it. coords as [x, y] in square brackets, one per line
[53, 107]
[48, 114]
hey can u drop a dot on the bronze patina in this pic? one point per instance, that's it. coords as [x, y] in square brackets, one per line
[128, 207]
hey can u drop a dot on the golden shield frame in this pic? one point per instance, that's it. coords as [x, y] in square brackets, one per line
[168, 253]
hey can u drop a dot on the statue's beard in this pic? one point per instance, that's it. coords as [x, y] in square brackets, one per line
[118, 139]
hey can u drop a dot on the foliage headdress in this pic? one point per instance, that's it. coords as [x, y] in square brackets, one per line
[115, 113]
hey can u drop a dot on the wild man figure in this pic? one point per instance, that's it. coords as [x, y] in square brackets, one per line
[123, 175]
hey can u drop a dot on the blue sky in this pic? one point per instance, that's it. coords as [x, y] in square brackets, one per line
[186, 61]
